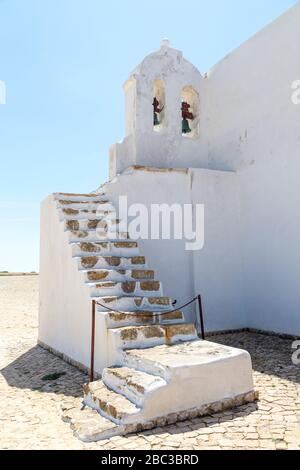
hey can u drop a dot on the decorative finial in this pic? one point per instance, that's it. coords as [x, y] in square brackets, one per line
[165, 42]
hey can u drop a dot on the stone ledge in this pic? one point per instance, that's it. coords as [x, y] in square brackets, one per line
[84, 429]
[151, 169]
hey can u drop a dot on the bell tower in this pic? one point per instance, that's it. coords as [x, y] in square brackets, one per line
[165, 125]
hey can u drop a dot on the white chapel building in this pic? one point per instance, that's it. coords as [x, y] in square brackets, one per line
[229, 140]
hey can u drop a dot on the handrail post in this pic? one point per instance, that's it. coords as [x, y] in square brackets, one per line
[201, 316]
[93, 341]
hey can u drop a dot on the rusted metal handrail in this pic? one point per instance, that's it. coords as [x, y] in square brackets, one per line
[95, 303]
[93, 340]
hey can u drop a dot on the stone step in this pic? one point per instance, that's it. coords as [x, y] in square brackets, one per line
[89, 426]
[80, 205]
[134, 385]
[148, 336]
[94, 236]
[117, 320]
[118, 248]
[80, 197]
[133, 304]
[110, 404]
[106, 262]
[79, 214]
[99, 224]
[128, 288]
[119, 275]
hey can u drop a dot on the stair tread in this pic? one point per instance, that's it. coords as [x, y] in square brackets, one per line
[137, 299]
[152, 284]
[77, 195]
[88, 419]
[141, 316]
[113, 297]
[111, 403]
[110, 248]
[132, 257]
[129, 335]
[101, 242]
[184, 327]
[91, 262]
[69, 202]
[140, 382]
[99, 274]
[89, 224]
[94, 231]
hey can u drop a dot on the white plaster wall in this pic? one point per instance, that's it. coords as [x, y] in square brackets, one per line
[167, 257]
[254, 129]
[217, 268]
[65, 303]
[215, 271]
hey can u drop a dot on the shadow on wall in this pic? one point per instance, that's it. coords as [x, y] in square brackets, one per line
[40, 370]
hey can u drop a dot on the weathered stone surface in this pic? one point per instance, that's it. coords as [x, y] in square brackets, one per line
[70, 211]
[89, 262]
[133, 379]
[150, 285]
[68, 202]
[72, 224]
[140, 318]
[110, 403]
[142, 274]
[97, 275]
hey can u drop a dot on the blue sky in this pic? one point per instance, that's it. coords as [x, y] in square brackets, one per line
[64, 63]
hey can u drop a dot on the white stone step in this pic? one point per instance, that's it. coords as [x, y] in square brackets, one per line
[141, 337]
[132, 304]
[128, 288]
[135, 385]
[110, 404]
[89, 426]
[106, 262]
[79, 214]
[79, 197]
[98, 224]
[94, 236]
[118, 248]
[139, 318]
[119, 275]
[102, 206]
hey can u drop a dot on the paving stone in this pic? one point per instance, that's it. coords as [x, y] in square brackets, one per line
[30, 413]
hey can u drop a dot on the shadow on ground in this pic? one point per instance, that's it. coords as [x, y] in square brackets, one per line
[271, 355]
[39, 370]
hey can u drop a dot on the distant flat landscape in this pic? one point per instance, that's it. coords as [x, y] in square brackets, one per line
[7, 273]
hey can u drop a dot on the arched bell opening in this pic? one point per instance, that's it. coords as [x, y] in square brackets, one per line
[158, 105]
[190, 112]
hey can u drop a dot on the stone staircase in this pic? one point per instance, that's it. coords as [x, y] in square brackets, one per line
[117, 275]
[138, 392]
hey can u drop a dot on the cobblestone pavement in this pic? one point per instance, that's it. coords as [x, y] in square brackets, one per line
[30, 414]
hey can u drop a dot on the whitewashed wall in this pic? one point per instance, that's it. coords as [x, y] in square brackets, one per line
[65, 302]
[216, 271]
[249, 269]
[255, 130]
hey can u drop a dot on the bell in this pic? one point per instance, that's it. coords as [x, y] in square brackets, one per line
[156, 120]
[186, 127]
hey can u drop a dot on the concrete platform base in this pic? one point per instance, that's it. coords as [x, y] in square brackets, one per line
[164, 385]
